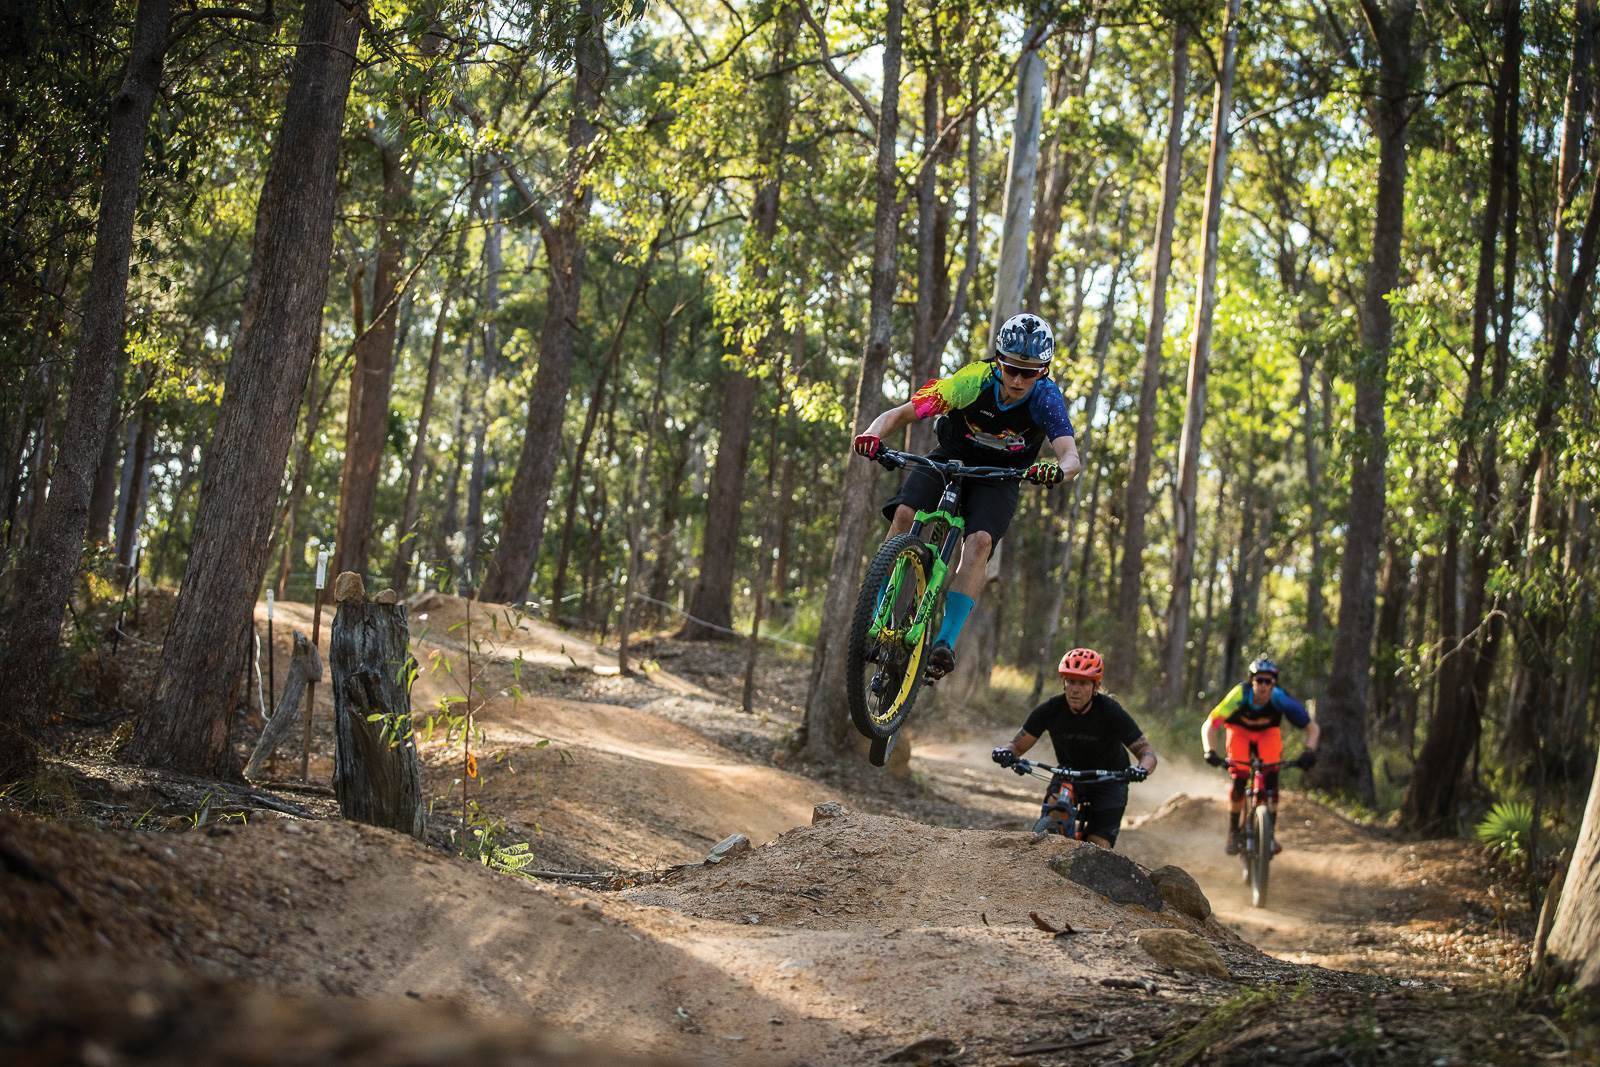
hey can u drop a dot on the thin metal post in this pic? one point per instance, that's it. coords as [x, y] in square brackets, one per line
[311, 686]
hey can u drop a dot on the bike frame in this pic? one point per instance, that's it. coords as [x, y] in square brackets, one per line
[1069, 780]
[945, 511]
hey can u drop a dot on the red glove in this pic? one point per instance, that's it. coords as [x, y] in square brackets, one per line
[1044, 474]
[869, 445]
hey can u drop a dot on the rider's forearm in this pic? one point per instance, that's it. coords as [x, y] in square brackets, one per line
[1205, 734]
[1145, 753]
[1022, 742]
[1066, 449]
[1313, 735]
[892, 420]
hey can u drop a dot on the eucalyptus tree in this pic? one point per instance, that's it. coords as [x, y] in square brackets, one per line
[186, 728]
[1345, 765]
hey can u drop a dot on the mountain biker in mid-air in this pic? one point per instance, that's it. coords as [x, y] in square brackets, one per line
[1088, 729]
[996, 414]
[1251, 714]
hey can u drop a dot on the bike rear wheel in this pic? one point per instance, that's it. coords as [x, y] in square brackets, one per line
[1261, 863]
[883, 670]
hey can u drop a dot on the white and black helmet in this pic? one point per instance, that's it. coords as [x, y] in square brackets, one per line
[1026, 341]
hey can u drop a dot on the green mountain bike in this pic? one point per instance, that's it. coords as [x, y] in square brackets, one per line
[901, 603]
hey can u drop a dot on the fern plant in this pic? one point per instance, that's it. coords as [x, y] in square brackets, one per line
[1507, 829]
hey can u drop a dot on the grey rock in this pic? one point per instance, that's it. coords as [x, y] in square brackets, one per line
[1109, 874]
[1181, 950]
[1181, 891]
[349, 586]
[830, 810]
[728, 847]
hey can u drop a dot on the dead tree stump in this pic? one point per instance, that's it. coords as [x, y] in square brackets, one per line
[375, 773]
[305, 667]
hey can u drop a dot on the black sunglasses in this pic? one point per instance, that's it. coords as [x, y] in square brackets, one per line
[1021, 372]
[1265, 681]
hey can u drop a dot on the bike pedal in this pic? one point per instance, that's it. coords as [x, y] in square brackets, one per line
[878, 755]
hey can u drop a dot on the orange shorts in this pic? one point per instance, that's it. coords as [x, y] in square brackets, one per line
[1268, 742]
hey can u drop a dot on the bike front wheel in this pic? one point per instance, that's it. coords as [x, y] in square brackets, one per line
[1261, 862]
[883, 661]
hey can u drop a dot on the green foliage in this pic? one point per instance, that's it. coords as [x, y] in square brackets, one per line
[1507, 830]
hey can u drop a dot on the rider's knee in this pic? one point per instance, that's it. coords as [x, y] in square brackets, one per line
[904, 516]
[979, 543]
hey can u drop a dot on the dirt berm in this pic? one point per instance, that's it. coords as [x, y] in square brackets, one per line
[833, 943]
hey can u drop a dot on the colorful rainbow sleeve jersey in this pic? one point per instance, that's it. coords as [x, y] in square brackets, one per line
[984, 422]
[1238, 709]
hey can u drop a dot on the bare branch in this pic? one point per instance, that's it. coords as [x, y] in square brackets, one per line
[833, 71]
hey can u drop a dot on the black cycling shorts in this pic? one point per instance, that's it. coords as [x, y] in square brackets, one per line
[987, 506]
[1107, 801]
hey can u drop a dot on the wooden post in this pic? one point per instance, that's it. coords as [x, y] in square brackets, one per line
[304, 668]
[316, 639]
[375, 772]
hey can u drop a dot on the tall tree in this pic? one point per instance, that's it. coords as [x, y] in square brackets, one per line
[711, 602]
[827, 721]
[43, 583]
[186, 725]
[1131, 575]
[1436, 785]
[1346, 765]
[372, 370]
[1194, 416]
[510, 571]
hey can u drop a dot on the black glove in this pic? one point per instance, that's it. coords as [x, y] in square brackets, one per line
[1003, 756]
[1044, 474]
[1214, 759]
[1307, 760]
[1137, 773]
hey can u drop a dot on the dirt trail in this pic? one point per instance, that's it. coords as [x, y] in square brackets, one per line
[838, 942]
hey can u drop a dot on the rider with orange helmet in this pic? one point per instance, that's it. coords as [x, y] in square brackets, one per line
[1090, 731]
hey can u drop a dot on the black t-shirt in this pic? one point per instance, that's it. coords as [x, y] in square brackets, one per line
[1096, 740]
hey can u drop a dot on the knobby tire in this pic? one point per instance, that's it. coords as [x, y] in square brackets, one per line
[862, 701]
[1261, 862]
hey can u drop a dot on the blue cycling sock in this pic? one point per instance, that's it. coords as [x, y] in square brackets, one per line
[957, 606]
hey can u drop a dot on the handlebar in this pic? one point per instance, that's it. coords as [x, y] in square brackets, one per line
[950, 468]
[1024, 767]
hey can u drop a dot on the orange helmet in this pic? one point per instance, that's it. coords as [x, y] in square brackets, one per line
[1084, 663]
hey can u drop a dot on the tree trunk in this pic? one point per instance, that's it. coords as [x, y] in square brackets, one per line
[1314, 428]
[185, 727]
[1434, 796]
[1573, 952]
[712, 598]
[103, 499]
[375, 772]
[1345, 765]
[1199, 364]
[827, 720]
[304, 666]
[637, 487]
[479, 376]
[1121, 672]
[400, 577]
[1022, 173]
[510, 571]
[43, 582]
[1538, 654]
[372, 375]
[138, 484]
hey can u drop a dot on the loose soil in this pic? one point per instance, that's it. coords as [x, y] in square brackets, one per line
[157, 919]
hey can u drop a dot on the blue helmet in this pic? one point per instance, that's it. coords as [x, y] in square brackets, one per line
[1263, 665]
[1025, 340]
